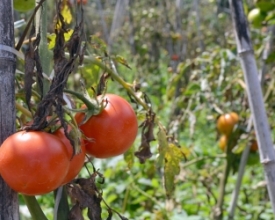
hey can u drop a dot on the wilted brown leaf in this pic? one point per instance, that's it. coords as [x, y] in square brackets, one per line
[75, 213]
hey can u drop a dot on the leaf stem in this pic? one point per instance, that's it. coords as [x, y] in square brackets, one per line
[34, 208]
[23, 110]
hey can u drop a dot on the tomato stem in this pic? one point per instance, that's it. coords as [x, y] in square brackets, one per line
[23, 110]
[86, 101]
[34, 208]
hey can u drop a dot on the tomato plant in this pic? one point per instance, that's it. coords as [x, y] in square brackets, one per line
[33, 162]
[112, 131]
[77, 161]
[226, 123]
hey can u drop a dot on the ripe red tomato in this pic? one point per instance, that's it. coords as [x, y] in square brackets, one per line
[113, 131]
[226, 123]
[76, 163]
[33, 162]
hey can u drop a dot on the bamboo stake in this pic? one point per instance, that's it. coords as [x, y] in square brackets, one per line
[8, 198]
[255, 97]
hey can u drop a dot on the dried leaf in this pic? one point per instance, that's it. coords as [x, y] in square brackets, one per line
[29, 74]
[147, 136]
[144, 151]
[74, 42]
[101, 87]
[149, 133]
[85, 192]
[76, 213]
[39, 70]
[62, 68]
[78, 195]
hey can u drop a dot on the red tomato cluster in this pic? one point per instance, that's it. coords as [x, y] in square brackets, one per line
[36, 162]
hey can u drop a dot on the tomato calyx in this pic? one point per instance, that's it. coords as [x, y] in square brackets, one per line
[90, 107]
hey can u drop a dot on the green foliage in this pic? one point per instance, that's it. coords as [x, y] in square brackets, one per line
[23, 5]
[181, 179]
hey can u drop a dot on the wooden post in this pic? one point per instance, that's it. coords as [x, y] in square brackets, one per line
[8, 198]
[255, 96]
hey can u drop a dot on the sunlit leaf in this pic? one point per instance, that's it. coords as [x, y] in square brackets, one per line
[67, 15]
[51, 38]
[68, 34]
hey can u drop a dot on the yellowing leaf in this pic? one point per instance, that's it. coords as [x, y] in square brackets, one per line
[66, 13]
[51, 38]
[173, 156]
[68, 34]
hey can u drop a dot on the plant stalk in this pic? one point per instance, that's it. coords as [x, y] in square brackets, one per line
[44, 53]
[34, 208]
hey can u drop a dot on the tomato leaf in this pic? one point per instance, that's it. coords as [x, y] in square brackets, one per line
[173, 157]
[129, 157]
[51, 38]
[98, 44]
[162, 145]
[144, 151]
[76, 213]
[66, 13]
[122, 61]
[87, 195]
